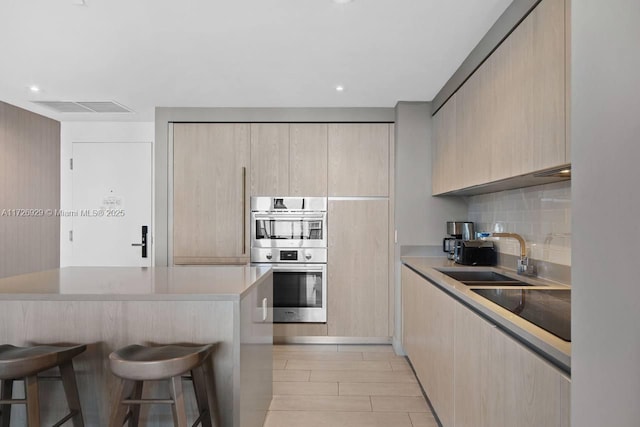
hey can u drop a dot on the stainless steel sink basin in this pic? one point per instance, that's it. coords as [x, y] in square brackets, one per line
[483, 278]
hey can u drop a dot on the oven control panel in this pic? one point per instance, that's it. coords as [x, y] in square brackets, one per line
[299, 256]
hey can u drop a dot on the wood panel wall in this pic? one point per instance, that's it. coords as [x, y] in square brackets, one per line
[29, 186]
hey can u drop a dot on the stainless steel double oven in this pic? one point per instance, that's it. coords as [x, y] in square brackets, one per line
[290, 235]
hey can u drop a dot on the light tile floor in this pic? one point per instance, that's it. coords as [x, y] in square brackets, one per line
[345, 385]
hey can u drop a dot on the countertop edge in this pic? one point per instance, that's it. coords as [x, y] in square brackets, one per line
[227, 295]
[548, 346]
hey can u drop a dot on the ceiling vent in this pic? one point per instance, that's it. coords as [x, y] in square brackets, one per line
[84, 107]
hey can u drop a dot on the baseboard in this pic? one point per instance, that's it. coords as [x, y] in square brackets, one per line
[331, 340]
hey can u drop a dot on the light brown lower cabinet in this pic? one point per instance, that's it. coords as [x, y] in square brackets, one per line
[492, 379]
[428, 338]
[358, 268]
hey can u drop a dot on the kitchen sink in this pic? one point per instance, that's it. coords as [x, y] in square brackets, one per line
[483, 278]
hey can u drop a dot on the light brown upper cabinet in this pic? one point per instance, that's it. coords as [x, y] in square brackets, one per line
[269, 159]
[446, 163]
[510, 115]
[359, 159]
[210, 197]
[308, 159]
[358, 268]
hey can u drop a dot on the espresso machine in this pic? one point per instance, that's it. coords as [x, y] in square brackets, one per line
[457, 231]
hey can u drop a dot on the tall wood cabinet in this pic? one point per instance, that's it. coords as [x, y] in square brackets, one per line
[474, 374]
[360, 215]
[210, 197]
[509, 118]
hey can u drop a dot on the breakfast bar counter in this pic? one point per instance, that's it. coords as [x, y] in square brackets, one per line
[110, 307]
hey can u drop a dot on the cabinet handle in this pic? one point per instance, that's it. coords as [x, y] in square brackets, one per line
[244, 210]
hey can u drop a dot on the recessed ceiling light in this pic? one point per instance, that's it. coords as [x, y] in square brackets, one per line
[342, 1]
[340, 88]
[34, 88]
[565, 171]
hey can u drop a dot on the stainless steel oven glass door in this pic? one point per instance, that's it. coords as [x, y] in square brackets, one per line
[288, 230]
[299, 293]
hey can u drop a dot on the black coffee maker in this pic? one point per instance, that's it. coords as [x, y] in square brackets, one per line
[457, 231]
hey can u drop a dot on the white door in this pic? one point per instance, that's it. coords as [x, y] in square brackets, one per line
[112, 188]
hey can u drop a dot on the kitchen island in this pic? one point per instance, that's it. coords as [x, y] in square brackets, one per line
[110, 307]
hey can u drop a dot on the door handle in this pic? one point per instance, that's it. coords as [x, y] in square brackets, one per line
[143, 245]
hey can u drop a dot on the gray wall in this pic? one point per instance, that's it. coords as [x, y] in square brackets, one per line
[29, 180]
[164, 116]
[606, 209]
[420, 218]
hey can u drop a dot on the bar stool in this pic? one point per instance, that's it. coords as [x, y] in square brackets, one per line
[24, 363]
[135, 364]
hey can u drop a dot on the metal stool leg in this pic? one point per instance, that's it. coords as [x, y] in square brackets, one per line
[119, 410]
[33, 401]
[200, 387]
[177, 407]
[71, 391]
[5, 410]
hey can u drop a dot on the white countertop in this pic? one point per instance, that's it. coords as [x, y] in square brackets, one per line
[551, 346]
[134, 283]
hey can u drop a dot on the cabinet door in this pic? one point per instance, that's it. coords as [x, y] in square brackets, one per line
[548, 85]
[478, 366]
[429, 338]
[358, 268]
[308, 160]
[269, 159]
[209, 193]
[359, 159]
[473, 137]
[500, 382]
[535, 393]
[446, 162]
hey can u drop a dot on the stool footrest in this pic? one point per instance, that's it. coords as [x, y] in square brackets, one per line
[13, 401]
[65, 419]
[146, 401]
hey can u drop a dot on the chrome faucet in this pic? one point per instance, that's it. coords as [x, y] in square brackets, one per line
[525, 267]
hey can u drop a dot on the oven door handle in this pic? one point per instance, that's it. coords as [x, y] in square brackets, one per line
[299, 267]
[288, 218]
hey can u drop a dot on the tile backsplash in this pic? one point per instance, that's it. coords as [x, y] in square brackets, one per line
[541, 214]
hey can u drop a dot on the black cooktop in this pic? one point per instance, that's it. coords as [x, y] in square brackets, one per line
[548, 309]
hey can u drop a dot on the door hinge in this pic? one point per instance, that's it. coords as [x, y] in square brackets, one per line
[71, 235]
[71, 163]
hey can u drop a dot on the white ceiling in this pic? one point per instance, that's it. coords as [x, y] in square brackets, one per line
[237, 53]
